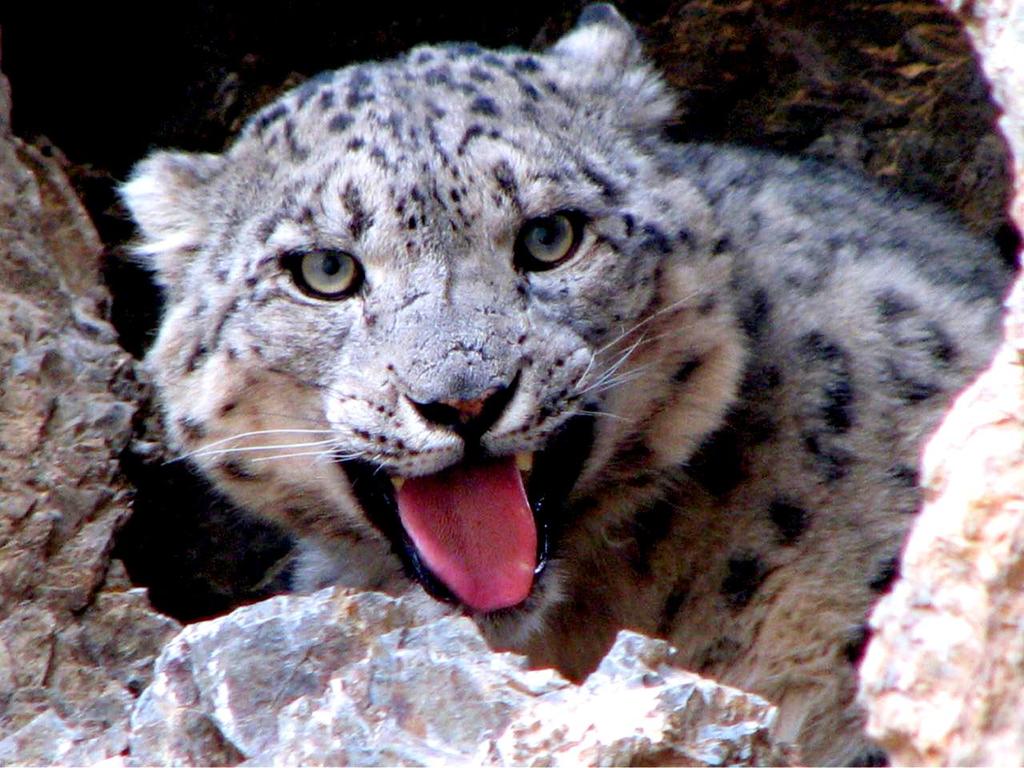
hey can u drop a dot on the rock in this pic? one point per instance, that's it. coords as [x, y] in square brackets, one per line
[49, 740]
[888, 89]
[996, 27]
[942, 680]
[76, 642]
[638, 708]
[367, 679]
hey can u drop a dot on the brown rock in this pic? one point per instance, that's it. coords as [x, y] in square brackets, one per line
[942, 680]
[890, 90]
[76, 645]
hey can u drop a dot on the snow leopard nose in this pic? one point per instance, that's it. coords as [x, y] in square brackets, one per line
[469, 418]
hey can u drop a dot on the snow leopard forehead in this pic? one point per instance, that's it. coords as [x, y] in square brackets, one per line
[593, 79]
[446, 134]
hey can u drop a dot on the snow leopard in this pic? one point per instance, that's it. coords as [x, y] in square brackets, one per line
[469, 320]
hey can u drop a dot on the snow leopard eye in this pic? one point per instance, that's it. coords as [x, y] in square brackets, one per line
[547, 241]
[325, 274]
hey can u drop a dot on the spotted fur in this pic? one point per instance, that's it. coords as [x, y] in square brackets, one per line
[765, 342]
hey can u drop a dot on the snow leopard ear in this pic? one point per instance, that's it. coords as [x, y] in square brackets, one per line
[602, 38]
[605, 57]
[165, 196]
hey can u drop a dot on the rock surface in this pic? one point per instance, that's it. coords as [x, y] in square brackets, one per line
[943, 680]
[76, 642]
[888, 89]
[365, 679]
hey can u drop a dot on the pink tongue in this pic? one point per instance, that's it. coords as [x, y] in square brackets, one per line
[474, 530]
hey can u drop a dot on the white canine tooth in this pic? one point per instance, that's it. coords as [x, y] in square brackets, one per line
[398, 482]
[524, 461]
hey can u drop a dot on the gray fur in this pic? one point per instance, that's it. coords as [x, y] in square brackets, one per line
[768, 342]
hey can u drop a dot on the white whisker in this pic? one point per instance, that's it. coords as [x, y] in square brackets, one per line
[203, 452]
[318, 454]
[614, 368]
[669, 308]
[611, 369]
[606, 382]
[607, 415]
[260, 432]
[586, 371]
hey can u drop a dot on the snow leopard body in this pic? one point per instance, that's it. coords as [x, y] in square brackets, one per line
[723, 383]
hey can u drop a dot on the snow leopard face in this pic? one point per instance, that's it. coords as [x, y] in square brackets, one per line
[428, 307]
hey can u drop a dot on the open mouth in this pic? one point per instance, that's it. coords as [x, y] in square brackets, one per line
[481, 532]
